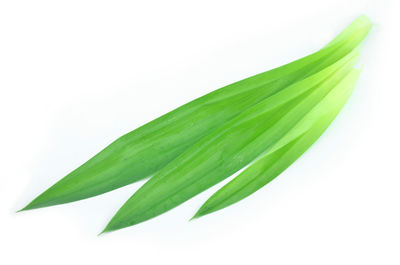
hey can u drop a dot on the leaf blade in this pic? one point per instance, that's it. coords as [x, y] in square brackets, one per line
[230, 148]
[284, 153]
[149, 148]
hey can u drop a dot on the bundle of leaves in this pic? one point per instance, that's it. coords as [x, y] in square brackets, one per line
[265, 123]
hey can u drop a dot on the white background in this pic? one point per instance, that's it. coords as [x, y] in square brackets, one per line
[75, 75]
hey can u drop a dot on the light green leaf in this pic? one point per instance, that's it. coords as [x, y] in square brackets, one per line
[284, 152]
[146, 150]
[231, 147]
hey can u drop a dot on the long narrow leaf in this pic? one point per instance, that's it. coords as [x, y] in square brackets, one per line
[230, 148]
[285, 152]
[144, 151]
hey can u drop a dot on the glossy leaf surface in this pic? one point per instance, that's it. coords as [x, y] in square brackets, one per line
[146, 150]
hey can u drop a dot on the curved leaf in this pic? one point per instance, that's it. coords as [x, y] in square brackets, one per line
[285, 152]
[230, 148]
[146, 150]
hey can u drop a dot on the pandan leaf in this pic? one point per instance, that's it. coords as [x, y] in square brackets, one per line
[285, 152]
[231, 147]
[146, 150]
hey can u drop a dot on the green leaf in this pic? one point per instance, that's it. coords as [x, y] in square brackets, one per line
[285, 152]
[230, 148]
[146, 150]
